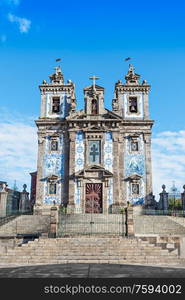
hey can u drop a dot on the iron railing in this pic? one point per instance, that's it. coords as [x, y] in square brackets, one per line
[90, 224]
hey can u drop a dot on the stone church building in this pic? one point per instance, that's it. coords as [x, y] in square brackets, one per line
[94, 160]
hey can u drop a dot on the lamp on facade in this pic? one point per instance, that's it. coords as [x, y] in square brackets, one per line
[107, 182]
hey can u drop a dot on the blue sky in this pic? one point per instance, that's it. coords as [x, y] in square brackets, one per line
[92, 38]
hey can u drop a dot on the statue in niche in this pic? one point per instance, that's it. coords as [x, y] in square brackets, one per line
[94, 107]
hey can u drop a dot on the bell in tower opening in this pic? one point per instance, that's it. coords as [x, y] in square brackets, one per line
[133, 104]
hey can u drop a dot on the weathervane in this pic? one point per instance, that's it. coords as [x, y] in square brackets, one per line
[128, 58]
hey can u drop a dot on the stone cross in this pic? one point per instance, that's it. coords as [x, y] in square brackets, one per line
[94, 78]
[94, 152]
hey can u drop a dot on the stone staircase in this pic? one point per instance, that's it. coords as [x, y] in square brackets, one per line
[161, 225]
[115, 250]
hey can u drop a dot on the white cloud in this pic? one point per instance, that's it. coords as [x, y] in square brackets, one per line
[168, 159]
[23, 23]
[18, 151]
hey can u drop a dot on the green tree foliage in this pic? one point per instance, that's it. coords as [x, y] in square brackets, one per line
[175, 203]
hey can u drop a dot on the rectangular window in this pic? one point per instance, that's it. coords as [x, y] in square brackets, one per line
[56, 105]
[52, 188]
[134, 146]
[135, 188]
[54, 145]
[94, 152]
[133, 105]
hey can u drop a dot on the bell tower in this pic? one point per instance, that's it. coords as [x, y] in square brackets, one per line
[57, 98]
[94, 99]
[131, 104]
[131, 98]
[57, 103]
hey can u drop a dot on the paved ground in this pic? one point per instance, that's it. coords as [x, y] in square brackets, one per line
[91, 271]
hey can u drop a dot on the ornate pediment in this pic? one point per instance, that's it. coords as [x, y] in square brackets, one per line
[133, 178]
[51, 178]
[97, 87]
[94, 171]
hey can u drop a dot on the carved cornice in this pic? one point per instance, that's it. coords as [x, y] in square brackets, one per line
[56, 87]
[133, 88]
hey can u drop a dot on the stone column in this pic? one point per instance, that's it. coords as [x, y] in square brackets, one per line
[53, 222]
[24, 204]
[129, 221]
[71, 203]
[43, 105]
[148, 166]
[3, 201]
[183, 198]
[163, 199]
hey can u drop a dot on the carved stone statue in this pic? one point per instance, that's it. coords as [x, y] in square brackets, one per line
[94, 109]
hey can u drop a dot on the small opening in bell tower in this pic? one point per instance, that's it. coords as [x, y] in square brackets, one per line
[56, 105]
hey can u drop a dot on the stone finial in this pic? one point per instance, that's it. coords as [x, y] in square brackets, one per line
[44, 82]
[57, 77]
[24, 188]
[132, 77]
[163, 187]
[4, 186]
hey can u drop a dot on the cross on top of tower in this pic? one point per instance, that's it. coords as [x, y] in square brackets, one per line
[94, 78]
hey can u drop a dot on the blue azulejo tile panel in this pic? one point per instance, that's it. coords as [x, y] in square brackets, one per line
[134, 164]
[53, 164]
[79, 151]
[108, 151]
[133, 199]
[77, 194]
[137, 201]
[50, 199]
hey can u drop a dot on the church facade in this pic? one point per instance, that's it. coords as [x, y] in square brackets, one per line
[94, 160]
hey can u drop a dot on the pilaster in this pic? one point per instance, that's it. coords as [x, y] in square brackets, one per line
[40, 190]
